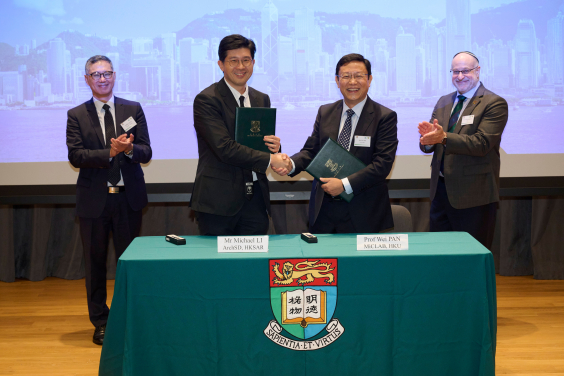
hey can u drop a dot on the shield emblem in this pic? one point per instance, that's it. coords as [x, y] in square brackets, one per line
[303, 294]
[255, 126]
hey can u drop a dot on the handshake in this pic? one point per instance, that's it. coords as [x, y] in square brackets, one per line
[281, 164]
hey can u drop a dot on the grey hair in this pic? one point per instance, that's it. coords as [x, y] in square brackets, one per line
[95, 59]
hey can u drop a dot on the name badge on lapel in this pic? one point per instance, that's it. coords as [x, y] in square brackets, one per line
[362, 141]
[467, 120]
[128, 124]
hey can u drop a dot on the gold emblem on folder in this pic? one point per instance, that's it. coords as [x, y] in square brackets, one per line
[333, 167]
[255, 126]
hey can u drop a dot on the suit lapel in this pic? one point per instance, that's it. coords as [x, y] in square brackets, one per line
[227, 96]
[230, 104]
[474, 101]
[335, 122]
[364, 122]
[91, 109]
[120, 115]
[254, 98]
[447, 110]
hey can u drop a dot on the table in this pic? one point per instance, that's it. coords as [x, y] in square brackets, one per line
[188, 310]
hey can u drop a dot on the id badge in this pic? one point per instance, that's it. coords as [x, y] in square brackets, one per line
[249, 188]
[467, 120]
[362, 141]
[128, 124]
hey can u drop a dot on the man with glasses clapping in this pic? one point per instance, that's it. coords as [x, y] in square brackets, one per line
[464, 135]
[107, 139]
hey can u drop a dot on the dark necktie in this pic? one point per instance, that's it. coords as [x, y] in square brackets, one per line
[113, 175]
[247, 175]
[456, 113]
[345, 136]
[452, 124]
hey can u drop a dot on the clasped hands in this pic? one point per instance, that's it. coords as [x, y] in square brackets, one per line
[282, 165]
[431, 134]
[121, 144]
[279, 162]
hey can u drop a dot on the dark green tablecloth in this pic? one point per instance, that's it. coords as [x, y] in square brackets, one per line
[187, 310]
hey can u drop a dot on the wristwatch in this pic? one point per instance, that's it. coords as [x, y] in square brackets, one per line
[129, 152]
[444, 140]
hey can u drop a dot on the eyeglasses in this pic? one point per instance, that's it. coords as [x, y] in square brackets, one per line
[235, 62]
[350, 76]
[96, 76]
[465, 72]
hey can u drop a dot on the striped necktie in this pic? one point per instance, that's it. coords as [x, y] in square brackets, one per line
[456, 113]
[345, 136]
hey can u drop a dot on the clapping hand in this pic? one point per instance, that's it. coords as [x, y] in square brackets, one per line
[122, 143]
[431, 134]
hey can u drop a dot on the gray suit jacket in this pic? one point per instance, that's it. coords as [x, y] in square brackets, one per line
[371, 203]
[472, 162]
[219, 187]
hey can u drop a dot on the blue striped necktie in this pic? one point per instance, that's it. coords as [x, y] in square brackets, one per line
[345, 136]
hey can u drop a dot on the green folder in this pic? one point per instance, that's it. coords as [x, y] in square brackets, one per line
[252, 124]
[334, 161]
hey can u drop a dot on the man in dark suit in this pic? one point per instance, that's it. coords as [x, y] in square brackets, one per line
[464, 136]
[369, 131]
[231, 195]
[107, 138]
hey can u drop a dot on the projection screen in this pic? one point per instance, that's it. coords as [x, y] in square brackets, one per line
[165, 53]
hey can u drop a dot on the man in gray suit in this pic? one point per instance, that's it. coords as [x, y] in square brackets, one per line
[464, 134]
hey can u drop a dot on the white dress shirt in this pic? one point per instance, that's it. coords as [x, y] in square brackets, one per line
[354, 121]
[101, 112]
[247, 102]
[469, 95]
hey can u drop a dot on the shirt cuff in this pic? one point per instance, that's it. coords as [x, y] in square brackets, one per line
[293, 167]
[347, 185]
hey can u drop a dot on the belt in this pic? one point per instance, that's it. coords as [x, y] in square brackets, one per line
[118, 189]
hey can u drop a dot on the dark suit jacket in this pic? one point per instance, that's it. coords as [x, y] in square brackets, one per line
[86, 145]
[219, 187]
[370, 207]
[472, 161]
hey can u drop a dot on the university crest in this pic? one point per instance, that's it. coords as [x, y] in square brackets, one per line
[255, 126]
[303, 298]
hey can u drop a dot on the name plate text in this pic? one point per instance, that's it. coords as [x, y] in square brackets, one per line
[382, 242]
[242, 244]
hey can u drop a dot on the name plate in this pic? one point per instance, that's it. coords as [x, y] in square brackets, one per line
[381, 242]
[242, 244]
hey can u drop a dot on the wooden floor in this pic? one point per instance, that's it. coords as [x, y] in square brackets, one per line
[44, 328]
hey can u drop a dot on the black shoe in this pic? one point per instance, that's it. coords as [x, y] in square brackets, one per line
[99, 333]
